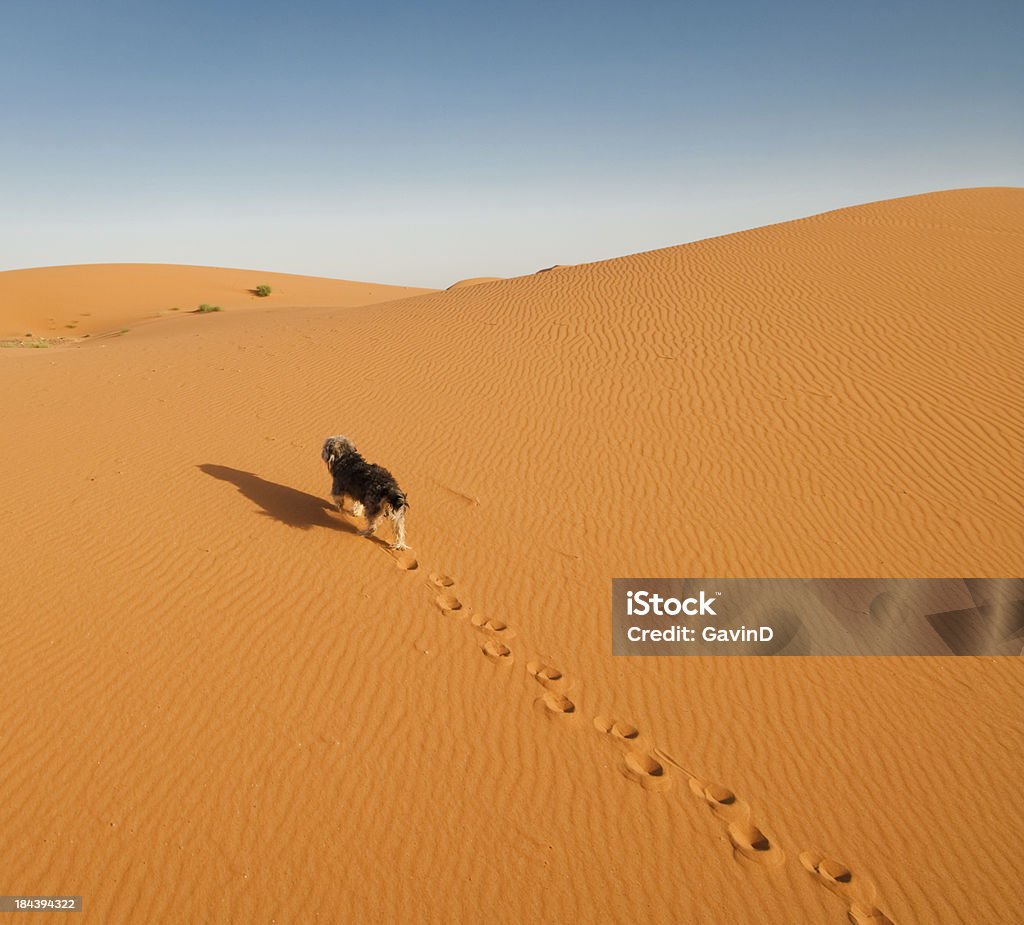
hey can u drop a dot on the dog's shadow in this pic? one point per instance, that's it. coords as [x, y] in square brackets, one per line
[287, 505]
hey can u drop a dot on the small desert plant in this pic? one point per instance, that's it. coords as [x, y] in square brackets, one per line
[204, 308]
[263, 291]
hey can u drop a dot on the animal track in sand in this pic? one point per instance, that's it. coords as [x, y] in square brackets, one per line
[549, 677]
[640, 766]
[719, 796]
[650, 768]
[448, 602]
[748, 840]
[497, 651]
[498, 628]
[832, 871]
[557, 704]
[721, 800]
[405, 560]
[643, 768]
[857, 893]
[616, 729]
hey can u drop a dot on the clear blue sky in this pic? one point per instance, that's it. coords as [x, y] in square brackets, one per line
[421, 143]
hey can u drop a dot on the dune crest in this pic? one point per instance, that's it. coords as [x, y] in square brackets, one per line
[475, 281]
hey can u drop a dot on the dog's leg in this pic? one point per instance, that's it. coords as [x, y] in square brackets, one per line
[357, 508]
[339, 502]
[399, 542]
[371, 526]
[372, 517]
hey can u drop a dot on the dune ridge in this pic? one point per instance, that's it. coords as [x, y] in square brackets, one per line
[474, 281]
[227, 706]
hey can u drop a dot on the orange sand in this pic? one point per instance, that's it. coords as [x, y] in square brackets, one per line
[221, 705]
[75, 301]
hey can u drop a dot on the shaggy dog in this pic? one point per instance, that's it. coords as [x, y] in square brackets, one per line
[373, 490]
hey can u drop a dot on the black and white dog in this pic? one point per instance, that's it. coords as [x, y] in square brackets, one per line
[373, 490]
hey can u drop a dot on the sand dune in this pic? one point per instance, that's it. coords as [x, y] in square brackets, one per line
[76, 301]
[475, 281]
[222, 705]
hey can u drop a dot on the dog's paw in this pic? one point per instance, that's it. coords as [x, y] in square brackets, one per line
[367, 532]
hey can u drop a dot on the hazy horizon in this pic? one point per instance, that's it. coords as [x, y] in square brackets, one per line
[419, 146]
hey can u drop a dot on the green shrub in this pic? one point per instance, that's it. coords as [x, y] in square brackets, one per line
[263, 291]
[204, 308]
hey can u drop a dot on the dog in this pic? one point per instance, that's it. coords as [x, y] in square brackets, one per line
[373, 490]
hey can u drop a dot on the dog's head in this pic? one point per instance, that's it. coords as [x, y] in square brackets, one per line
[336, 448]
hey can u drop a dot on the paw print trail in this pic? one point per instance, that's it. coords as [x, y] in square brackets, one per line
[494, 634]
[653, 769]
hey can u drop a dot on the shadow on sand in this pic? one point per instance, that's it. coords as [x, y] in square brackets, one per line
[287, 505]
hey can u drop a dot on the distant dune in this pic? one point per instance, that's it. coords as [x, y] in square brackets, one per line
[475, 281]
[72, 301]
[221, 704]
